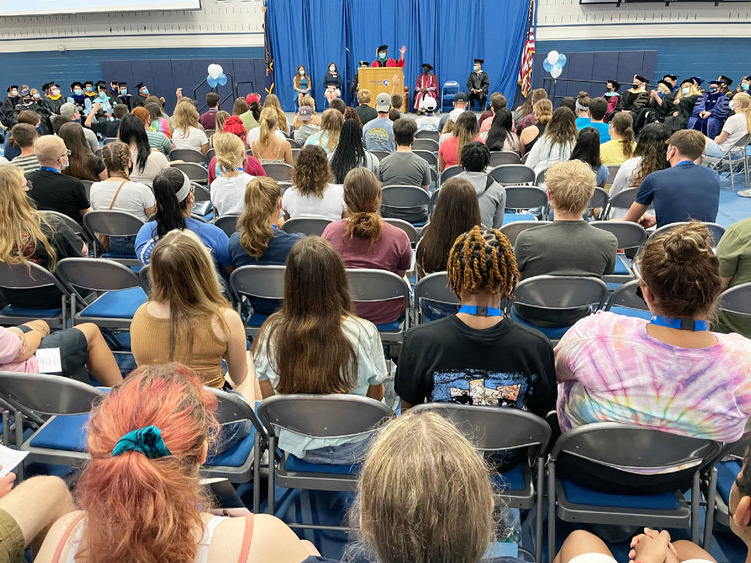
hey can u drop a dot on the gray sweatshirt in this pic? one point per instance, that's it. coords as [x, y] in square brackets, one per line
[492, 198]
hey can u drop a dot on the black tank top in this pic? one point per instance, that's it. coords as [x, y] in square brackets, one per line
[541, 129]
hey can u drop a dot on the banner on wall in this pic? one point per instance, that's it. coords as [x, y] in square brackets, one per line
[270, 82]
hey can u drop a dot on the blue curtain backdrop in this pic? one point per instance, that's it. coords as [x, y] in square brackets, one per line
[449, 34]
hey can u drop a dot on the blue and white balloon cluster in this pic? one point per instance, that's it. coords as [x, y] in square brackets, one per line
[554, 63]
[216, 76]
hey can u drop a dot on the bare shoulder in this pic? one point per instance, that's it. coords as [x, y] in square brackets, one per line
[55, 534]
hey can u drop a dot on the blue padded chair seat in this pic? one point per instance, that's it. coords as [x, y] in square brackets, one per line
[628, 312]
[553, 333]
[116, 255]
[256, 320]
[578, 494]
[726, 474]
[511, 479]
[237, 455]
[514, 217]
[296, 464]
[12, 311]
[620, 268]
[389, 327]
[69, 433]
[120, 304]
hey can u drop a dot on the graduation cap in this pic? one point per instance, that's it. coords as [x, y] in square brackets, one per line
[100, 83]
[121, 84]
[46, 86]
[427, 65]
[480, 61]
[665, 83]
[382, 48]
[724, 79]
[76, 83]
[640, 78]
[697, 80]
[364, 63]
[140, 85]
[616, 84]
[12, 87]
[671, 76]
[88, 82]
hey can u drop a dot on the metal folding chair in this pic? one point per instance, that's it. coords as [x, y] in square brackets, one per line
[375, 286]
[513, 174]
[630, 236]
[261, 282]
[433, 298]
[523, 198]
[499, 158]
[425, 144]
[33, 277]
[279, 171]
[380, 155]
[599, 200]
[715, 229]
[108, 140]
[727, 160]
[625, 301]
[450, 172]
[68, 222]
[228, 223]
[428, 156]
[405, 201]
[87, 187]
[622, 200]
[737, 299]
[405, 226]
[306, 225]
[426, 134]
[449, 89]
[195, 172]
[612, 171]
[188, 155]
[512, 230]
[729, 464]
[115, 224]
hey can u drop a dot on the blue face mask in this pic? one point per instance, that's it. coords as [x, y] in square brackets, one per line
[477, 67]
[685, 91]
[745, 86]
[89, 88]
[145, 91]
[78, 92]
[382, 56]
[123, 91]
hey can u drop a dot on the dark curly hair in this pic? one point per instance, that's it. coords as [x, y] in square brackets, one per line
[312, 173]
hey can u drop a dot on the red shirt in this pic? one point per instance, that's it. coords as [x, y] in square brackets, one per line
[389, 62]
[448, 150]
[208, 119]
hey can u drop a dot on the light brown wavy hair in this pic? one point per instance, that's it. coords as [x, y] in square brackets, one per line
[312, 172]
[261, 197]
[362, 195]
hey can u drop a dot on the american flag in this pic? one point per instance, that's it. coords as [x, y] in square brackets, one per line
[528, 55]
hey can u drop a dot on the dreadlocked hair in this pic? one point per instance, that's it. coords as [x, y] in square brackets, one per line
[482, 260]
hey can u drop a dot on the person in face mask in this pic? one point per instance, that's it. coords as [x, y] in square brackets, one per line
[88, 90]
[682, 106]
[635, 98]
[124, 97]
[478, 85]
[101, 97]
[332, 82]
[660, 105]
[302, 84]
[725, 83]
[710, 111]
[31, 100]
[745, 85]
[53, 99]
[612, 95]
[143, 93]
[8, 105]
[426, 87]
[735, 128]
[382, 57]
[77, 96]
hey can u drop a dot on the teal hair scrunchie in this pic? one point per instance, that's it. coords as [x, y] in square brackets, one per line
[147, 440]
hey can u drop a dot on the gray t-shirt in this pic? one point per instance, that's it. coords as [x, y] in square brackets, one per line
[305, 131]
[404, 169]
[378, 135]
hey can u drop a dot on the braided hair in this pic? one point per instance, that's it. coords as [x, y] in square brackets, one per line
[482, 260]
[116, 157]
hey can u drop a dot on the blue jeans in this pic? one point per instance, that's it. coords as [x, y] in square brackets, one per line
[344, 454]
[713, 149]
[123, 246]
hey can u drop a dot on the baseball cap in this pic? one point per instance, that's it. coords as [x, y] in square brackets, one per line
[67, 110]
[429, 103]
[455, 113]
[383, 102]
[461, 97]
[305, 113]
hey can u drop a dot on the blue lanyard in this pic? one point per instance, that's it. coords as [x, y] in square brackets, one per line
[685, 163]
[50, 169]
[680, 324]
[480, 311]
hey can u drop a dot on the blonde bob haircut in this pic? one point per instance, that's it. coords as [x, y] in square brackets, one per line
[230, 151]
[571, 184]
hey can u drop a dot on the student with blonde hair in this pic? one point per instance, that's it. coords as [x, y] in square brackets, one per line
[365, 111]
[331, 127]
[735, 128]
[270, 145]
[530, 134]
[272, 102]
[187, 134]
[228, 189]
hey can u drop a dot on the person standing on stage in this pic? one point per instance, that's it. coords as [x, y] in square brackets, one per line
[478, 85]
[382, 57]
[426, 87]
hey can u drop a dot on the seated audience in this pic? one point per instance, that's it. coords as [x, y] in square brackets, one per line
[208, 119]
[710, 111]
[251, 165]
[157, 140]
[272, 102]
[526, 114]
[621, 145]
[581, 106]
[24, 136]
[119, 193]
[331, 128]
[250, 118]
[312, 194]
[159, 123]
[456, 211]
[318, 346]
[338, 104]
[448, 128]
[598, 108]
[140, 494]
[587, 149]
[366, 112]
[302, 84]
[446, 360]
[737, 126]
[239, 107]
[271, 117]
[497, 102]
[187, 135]
[350, 152]
[49, 188]
[490, 194]
[649, 156]
[174, 203]
[270, 145]
[500, 135]
[532, 133]
[106, 128]
[69, 112]
[378, 133]
[612, 96]
[364, 240]
[428, 121]
[670, 373]
[228, 189]
[82, 163]
[682, 192]
[734, 253]
[465, 131]
[568, 102]
[403, 167]
[304, 125]
[635, 99]
[460, 103]
[682, 106]
[147, 163]
[221, 118]
[556, 143]
[10, 149]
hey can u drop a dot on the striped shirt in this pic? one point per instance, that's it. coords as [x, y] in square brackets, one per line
[159, 141]
[26, 163]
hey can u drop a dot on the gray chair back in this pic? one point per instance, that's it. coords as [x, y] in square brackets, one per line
[425, 144]
[211, 153]
[70, 223]
[279, 171]
[143, 275]
[622, 200]
[228, 223]
[380, 155]
[737, 299]
[508, 174]
[112, 223]
[306, 225]
[450, 172]
[108, 140]
[512, 230]
[200, 192]
[32, 276]
[188, 155]
[525, 197]
[629, 235]
[540, 177]
[95, 274]
[599, 199]
[715, 229]
[87, 186]
[195, 172]
[49, 394]
[498, 158]
[294, 144]
[425, 134]
[427, 155]
[266, 282]
[232, 407]
[561, 292]
[434, 287]
[625, 296]
[295, 154]
[612, 171]
[370, 285]
[406, 227]
[404, 197]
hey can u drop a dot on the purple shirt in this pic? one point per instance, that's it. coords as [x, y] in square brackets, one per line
[208, 119]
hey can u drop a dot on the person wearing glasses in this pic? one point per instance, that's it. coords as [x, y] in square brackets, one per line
[54, 191]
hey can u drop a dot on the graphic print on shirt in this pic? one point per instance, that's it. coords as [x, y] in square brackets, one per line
[483, 387]
[378, 136]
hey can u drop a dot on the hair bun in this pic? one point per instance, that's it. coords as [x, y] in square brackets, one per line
[685, 245]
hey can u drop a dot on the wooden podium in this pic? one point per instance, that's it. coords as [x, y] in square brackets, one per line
[381, 79]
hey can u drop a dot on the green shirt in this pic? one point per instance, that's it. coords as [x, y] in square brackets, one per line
[159, 141]
[248, 120]
[734, 252]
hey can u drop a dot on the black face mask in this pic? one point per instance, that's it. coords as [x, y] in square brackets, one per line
[635, 85]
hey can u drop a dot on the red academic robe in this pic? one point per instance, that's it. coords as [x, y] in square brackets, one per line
[389, 62]
[429, 82]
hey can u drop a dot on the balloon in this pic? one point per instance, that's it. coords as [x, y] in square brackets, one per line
[556, 72]
[222, 79]
[547, 66]
[215, 70]
[212, 81]
[553, 57]
[561, 60]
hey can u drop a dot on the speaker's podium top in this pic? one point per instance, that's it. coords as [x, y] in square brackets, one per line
[381, 79]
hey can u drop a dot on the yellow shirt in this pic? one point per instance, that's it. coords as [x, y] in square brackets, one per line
[611, 153]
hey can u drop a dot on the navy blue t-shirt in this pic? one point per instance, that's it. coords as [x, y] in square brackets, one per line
[682, 193]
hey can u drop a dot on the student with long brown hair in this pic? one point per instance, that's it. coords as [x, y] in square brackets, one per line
[465, 131]
[530, 134]
[364, 240]
[269, 145]
[622, 142]
[82, 163]
[140, 494]
[316, 344]
[556, 143]
[312, 194]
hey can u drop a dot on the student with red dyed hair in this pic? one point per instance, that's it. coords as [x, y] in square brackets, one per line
[140, 494]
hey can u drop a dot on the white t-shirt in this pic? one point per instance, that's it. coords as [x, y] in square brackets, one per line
[228, 194]
[134, 197]
[330, 206]
[155, 162]
[735, 127]
[195, 139]
[621, 182]
[428, 123]
[255, 133]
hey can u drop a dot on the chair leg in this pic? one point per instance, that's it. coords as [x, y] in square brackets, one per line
[256, 474]
[540, 494]
[709, 519]
[18, 419]
[695, 505]
[272, 475]
[551, 511]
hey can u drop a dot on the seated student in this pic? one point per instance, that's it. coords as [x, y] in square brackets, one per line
[234, 125]
[252, 115]
[734, 253]
[268, 146]
[364, 240]
[403, 167]
[350, 152]
[228, 190]
[669, 373]
[331, 128]
[24, 136]
[174, 203]
[147, 163]
[500, 135]
[635, 99]
[478, 356]
[525, 114]
[366, 112]
[52, 190]
[208, 118]
[159, 123]
[582, 110]
[682, 106]
[186, 134]
[465, 131]
[587, 149]
[456, 212]
[304, 125]
[82, 163]
[532, 133]
[735, 128]
[315, 345]
[312, 194]
[68, 112]
[272, 102]
[147, 441]
[428, 121]
[490, 194]
[378, 133]
[556, 143]
[10, 149]
[598, 107]
[106, 128]
[497, 103]
[682, 192]
[621, 145]
[338, 104]
[157, 140]
[118, 193]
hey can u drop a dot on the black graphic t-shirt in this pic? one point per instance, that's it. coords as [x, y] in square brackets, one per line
[505, 365]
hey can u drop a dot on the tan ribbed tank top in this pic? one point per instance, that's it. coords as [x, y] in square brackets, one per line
[149, 342]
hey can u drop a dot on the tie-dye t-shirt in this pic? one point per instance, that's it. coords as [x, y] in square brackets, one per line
[611, 370]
